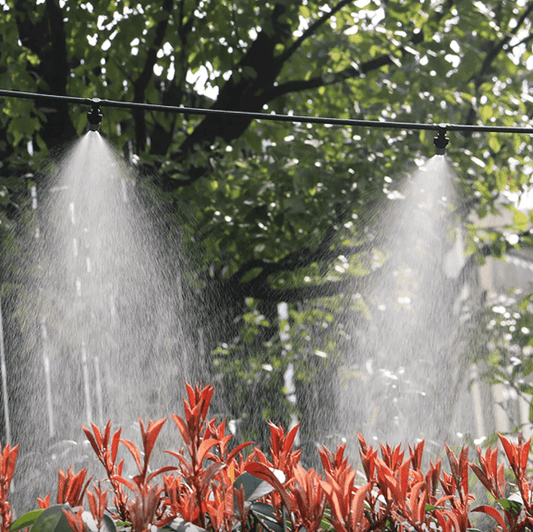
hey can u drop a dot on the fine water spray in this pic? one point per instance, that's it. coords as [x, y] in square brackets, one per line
[95, 116]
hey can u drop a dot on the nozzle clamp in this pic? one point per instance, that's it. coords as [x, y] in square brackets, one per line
[441, 140]
[95, 115]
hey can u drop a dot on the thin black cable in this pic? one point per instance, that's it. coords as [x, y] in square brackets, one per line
[97, 102]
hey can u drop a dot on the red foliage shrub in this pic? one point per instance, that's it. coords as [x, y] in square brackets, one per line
[213, 487]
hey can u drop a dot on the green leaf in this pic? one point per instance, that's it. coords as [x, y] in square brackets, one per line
[501, 180]
[23, 126]
[122, 524]
[494, 142]
[520, 220]
[266, 514]
[514, 507]
[486, 112]
[108, 524]
[254, 488]
[52, 520]
[26, 520]
[431, 508]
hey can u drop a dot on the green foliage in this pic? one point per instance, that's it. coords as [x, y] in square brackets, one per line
[52, 519]
[26, 520]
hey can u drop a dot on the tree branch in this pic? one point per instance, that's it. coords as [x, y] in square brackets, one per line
[303, 293]
[348, 73]
[175, 92]
[251, 93]
[312, 29]
[470, 264]
[524, 41]
[300, 258]
[59, 45]
[303, 257]
[46, 38]
[491, 56]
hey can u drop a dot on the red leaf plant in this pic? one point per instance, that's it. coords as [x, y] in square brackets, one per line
[203, 493]
[180, 499]
[512, 515]
[397, 491]
[71, 488]
[142, 509]
[97, 504]
[284, 460]
[196, 435]
[281, 449]
[391, 493]
[308, 499]
[106, 450]
[347, 502]
[455, 487]
[8, 459]
[220, 506]
[75, 521]
[149, 437]
[44, 502]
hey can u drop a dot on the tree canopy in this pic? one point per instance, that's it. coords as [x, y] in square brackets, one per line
[270, 209]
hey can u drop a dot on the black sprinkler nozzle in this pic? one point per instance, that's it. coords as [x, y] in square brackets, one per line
[95, 115]
[441, 140]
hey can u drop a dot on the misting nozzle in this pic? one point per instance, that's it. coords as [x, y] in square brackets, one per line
[95, 115]
[441, 140]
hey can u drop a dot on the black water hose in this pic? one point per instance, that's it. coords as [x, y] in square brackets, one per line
[95, 114]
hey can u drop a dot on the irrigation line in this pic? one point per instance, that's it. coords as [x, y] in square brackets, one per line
[96, 103]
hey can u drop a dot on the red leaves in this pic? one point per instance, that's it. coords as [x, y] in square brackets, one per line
[489, 510]
[8, 459]
[107, 455]
[199, 401]
[194, 430]
[149, 437]
[75, 521]
[142, 509]
[212, 488]
[308, 498]
[346, 501]
[511, 516]
[180, 500]
[281, 445]
[490, 474]
[200, 438]
[97, 504]
[517, 454]
[45, 502]
[71, 488]
[195, 413]
[459, 467]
